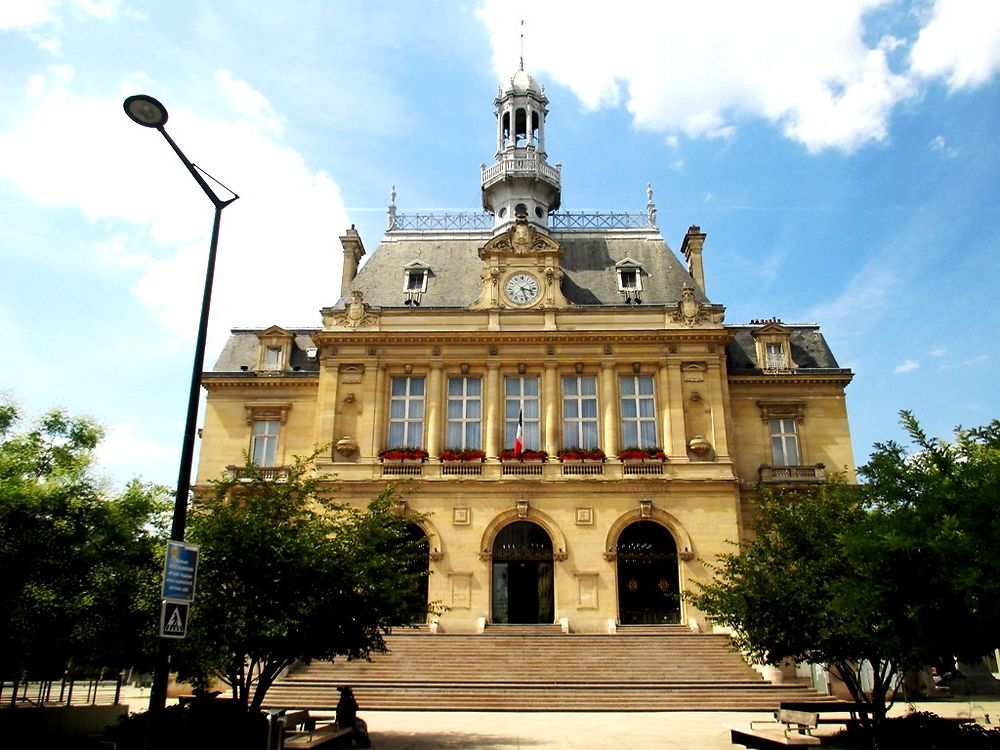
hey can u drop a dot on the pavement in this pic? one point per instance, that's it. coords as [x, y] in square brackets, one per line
[530, 730]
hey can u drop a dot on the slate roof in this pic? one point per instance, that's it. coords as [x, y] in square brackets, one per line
[242, 349]
[809, 349]
[589, 263]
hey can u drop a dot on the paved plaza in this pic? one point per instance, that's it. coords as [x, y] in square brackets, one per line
[691, 730]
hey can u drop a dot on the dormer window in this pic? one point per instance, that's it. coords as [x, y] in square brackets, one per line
[414, 282]
[774, 357]
[629, 281]
[774, 346]
[272, 358]
[275, 350]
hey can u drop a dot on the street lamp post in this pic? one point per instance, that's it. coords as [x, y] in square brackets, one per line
[148, 112]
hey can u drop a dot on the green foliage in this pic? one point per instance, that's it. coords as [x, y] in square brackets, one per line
[285, 575]
[898, 572]
[80, 563]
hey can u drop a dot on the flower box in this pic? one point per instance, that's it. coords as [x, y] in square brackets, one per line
[404, 454]
[642, 455]
[462, 455]
[527, 456]
[592, 455]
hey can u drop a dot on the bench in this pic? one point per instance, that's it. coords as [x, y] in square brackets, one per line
[298, 729]
[798, 726]
[846, 711]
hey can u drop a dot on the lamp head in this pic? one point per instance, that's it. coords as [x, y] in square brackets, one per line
[146, 111]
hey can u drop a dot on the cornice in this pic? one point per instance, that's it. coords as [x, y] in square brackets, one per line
[214, 380]
[836, 377]
[409, 338]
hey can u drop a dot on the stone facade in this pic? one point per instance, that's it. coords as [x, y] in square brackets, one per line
[583, 332]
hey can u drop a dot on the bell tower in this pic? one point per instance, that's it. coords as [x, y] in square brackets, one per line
[520, 181]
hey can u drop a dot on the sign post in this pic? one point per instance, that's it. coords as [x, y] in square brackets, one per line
[180, 574]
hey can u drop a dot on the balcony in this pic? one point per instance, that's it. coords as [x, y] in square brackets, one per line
[800, 474]
[520, 166]
[265, 473]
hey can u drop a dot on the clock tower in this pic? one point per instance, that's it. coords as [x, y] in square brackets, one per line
[520, 181]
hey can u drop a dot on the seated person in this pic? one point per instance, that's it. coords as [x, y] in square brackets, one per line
[347, 716]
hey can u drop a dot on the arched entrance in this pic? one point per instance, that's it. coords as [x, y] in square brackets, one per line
[648, 590]
[522, 574]
[418, 562]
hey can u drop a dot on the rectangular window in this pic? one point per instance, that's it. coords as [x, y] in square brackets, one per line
[465, 413]
[521, 398]
[272, 358]
[629, 278]
[264, 442]
[774, 356]
[415, 281]
[784, 442]
[638, 411]
[580, 411]
[406, 412]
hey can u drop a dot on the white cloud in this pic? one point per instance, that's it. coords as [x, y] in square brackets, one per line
[288, 217]
[939, 144]
[960, 43]
[26, 14]
[701, 68]
[908, 365]
[126, 443]
[939, 351]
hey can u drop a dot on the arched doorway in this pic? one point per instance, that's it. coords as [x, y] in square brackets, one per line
[522, 575]
[418, 563]
[648, 590]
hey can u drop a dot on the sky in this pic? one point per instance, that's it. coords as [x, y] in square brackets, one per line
[841, 156]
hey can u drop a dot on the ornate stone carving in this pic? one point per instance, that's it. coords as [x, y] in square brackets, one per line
[689, 311]
[357, 313]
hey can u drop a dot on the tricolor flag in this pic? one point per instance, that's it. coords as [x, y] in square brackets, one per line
[519, 435]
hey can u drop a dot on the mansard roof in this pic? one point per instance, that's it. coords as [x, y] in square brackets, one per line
[242, 349]
[589, 264]
[809, 349]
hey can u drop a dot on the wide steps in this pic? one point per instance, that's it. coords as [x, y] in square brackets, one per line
[511, 668]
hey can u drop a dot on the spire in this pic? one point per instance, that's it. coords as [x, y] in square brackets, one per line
[521, 66]
[521, 181]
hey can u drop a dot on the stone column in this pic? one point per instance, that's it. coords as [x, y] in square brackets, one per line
[609, 410]
[675, 404]
[434, 401]
[326, 406]
[493, 412]
[720, 437]
[381, 405]
[550, 409]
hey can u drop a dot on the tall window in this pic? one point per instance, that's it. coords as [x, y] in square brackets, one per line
[784, 441]
[406, 412]
[264, 442]
[465, 413]
[521, 398]
[580, 411]
[638, 411]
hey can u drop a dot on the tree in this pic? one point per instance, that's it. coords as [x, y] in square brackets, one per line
[892, 574]
[286, 575]
[80, 562]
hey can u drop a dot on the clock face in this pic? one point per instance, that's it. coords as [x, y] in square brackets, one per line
[521, 288]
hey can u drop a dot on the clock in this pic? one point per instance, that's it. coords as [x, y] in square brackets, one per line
[521, 288]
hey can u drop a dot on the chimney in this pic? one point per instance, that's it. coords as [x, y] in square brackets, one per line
[694, 240]
[354, 251]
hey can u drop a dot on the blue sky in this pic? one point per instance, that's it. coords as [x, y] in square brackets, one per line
[842, 157]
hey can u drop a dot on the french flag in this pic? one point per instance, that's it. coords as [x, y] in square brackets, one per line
[519, 436]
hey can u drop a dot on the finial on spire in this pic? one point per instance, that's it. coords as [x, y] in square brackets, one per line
[522, 45]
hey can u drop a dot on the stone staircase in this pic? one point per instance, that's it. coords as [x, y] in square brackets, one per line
[531, 668]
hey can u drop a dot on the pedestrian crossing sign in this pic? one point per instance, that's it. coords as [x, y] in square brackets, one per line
[174, 618]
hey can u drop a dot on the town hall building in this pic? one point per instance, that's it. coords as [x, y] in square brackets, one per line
[555, 393]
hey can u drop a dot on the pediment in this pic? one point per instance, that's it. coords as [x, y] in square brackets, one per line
[520, 239]
[772, 327]
[275, 332]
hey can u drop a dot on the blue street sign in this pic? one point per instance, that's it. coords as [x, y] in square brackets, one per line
[180, 571]
[174, 618]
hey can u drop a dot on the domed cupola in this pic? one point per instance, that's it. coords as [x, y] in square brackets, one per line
[521, 181]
